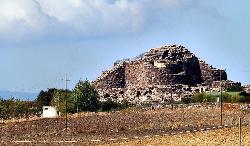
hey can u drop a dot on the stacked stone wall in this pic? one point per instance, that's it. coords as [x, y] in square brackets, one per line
[135, 74]
[156, 71]
[210, 74]
[114, 78]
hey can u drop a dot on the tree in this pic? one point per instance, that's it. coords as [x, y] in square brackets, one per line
[86, 97]
[59, 101]
[44, 98]
[235, 88]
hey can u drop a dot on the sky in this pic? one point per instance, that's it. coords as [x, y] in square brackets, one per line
[43, 40]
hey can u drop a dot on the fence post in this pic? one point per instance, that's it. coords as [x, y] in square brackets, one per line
[239, 131]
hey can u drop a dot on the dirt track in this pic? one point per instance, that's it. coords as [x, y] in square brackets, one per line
[105, 128]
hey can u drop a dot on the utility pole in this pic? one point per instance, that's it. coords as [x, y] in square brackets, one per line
[66, 102]
[221, 105]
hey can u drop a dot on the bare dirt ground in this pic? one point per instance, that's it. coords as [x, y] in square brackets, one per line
[222, 137]
[116, 127]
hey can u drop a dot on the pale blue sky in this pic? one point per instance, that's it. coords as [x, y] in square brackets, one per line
[42, 40]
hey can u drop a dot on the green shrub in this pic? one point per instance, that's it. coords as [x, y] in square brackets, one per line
[110, 105]
[242, 99]
[198, 97]
[235, 98]
[209, 98]
[186, 100]
[203, 97]
[226, 97]
[246, 97]
[124, 104]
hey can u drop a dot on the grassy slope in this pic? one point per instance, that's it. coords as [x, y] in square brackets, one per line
[218, 93]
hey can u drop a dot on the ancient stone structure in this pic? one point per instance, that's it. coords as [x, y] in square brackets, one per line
[246, 88]
[223, 85]
[158, 74]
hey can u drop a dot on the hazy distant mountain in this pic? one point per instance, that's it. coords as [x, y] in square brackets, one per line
[19, 95]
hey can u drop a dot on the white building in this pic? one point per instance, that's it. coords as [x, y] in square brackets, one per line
[49, 112]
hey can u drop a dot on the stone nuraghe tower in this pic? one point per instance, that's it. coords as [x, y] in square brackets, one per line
[153, 73]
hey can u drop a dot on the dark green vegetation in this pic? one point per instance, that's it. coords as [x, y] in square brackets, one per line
[228, 97]
[14, 108]
[233, 94]
[110, 105]
[44, 98]
[235, 88]
[85, 98]
[82, 98]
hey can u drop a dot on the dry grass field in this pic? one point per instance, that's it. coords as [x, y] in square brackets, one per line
[119, 127]
[222, 137]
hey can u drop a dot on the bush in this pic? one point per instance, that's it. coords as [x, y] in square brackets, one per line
[226, 97]
[209, 98]
[235, 88]
[242, 99]
[203, 97]
[15, 108]
[198, 97]
[124, 104]
[186, 100]
[110, 105]
[235, 98]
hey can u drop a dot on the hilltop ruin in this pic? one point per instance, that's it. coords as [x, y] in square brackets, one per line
[155, 75]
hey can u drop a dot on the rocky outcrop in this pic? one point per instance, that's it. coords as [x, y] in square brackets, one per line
[210, 74]
[156, 74]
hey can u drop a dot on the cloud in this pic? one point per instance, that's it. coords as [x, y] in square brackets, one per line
[26, 19]
[94, 16]
[20, 17]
